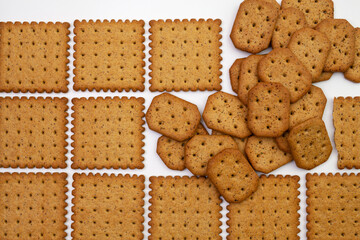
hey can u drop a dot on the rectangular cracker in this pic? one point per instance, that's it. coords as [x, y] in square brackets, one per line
[268, 109]
[254, 25]
[311, 105]
[109, 55]
[201, 148]
[333, 205]
[347, 125]
[342, 37]
[270, 213]
[184, 208]
[172, 152]
[173, 117]
[33, 132]
[264, 155]
[108, 133]
[289, 21]
[108, 206]
[315, 10]
[33, 206]
[185, 55]
[234, 73]
[353, 73]
[312, 48]
[33, 57]
[225, 113]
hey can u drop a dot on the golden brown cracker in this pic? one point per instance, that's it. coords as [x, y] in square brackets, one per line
[234, 73]
[333, 206]
[289, 21]
[283, 143]
[33, 205]
[282, 66]
[342, 37]
[268, 109]
[311, 105]
[347, 125]
[232, 175]
[353, 73]
[270, 213]
[201, 148]
[248, 76]
[172, 152]
[109, 55]
[173, 117]
[254, 25]
[33, 132]
[185, 55]
[310, 143]
[225, 113]
[315, 10]
[241, 142]
[264, 155]
[184, 208]
[108, 206]
[324, 76]
[312, 48]
[108, 133]
[34, 57]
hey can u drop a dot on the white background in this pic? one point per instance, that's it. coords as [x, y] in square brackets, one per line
[69, 10]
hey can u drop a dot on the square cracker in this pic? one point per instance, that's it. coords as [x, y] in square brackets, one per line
[184, 208]
[315, 10]
[342, 37]
[270, 213]
[108, 133]
[33, 132]
[33, 206]
[333, 205]
[109, 55]
[185, 55]
[347, 126]
[227, 114]
[34, 57]
[108, 207]
[254, 25]
[353, 73]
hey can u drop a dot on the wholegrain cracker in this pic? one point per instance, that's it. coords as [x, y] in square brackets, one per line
[108, 133]
[283, 143]
[241, 142]
[109, 55]
[234, 73]
[353, 73]
[185, 55]
[33, 132]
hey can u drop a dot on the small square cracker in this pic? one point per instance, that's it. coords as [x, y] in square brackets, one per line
[310, 143]
[312, 48]
[33, 132]
[264, 154]
[254, 25]
[232, 175]
[109, 55]
[172, 152]
[353, 73]
[108, 133]
[34, 57]
[173, 117]
[342, 37]
[225, 113]
[315, 10]
[268, 109]
[270, 213]
[282, 66]
[185, 55]
[311, 105]
[333, 203]
[347, 125]
[108, 207]
[184, 208]
[201, 148]
[33, 205]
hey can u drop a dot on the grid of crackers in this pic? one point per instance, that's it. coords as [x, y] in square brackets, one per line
[128, 129]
